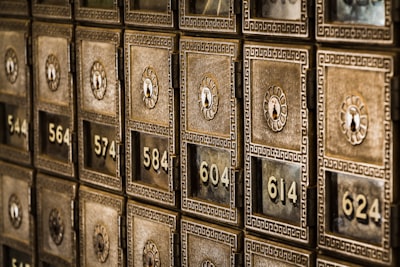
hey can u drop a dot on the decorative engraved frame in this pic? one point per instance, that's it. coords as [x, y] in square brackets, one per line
[52, 11]
[157, 215]
[353, 33]
[86, 195]
[147, 192]
[43, 161]
[276, 252]
[212, 232]
[254, 221]
[68, 190]
[277, 27]
[13, 7]
[383, 253]
[101, 179]
[231, 144]
[99, 15]
[25, 101]
[24, 175]
[323, 261]
[207, 23]
[150, 19]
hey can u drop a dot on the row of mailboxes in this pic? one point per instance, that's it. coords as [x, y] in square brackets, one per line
[366, 21]
[297, 144]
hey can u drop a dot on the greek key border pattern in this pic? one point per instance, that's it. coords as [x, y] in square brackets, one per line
[95, 34]
[353, 33]
[13, 7]
[256, 222]
[292, 28]
[143, 18]
[52, 30]
[377, 253]
[14, 24]
[52, 11]
[97, 14]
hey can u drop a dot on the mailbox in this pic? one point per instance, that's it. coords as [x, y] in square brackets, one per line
[151, 116]
[206, 244]
[56, 219]
[54, 105]
[153, 239]
[99, 106]
[17, 225]
[261, 252]
[101, 228]
[151, 13]
[99, 11]
[54, 9]
[279, 127]
[356, 173]
[211, 125]
[209, 16]
[369, 22]
[325, 261]
[15, 92]
[14, 7]
[278, 18]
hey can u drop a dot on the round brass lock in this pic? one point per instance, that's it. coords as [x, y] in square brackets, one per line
[15, 211]
[275, 108]
[11, 65]
[151, 256]
[208, 96]
[354, 119]
[101, 243]
[98, 80]
[207, 263]
[52, 72]
[149, 87]
[56, 226]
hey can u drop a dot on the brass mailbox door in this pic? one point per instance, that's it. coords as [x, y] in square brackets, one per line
[153, 239]
[210, 128]
[54, 105]
[56, 204]
[100, 220]
[17, 225]
[369, 22]
[15, 92]
[151, 116]
[99, 106]
[14, 7]
[204, 244]
[324, 261]
[99, 11]
[279, 176]
[356, 185]
[262, 252]
[277, 18]
[209, 16]
[146, 13]
[55, 9]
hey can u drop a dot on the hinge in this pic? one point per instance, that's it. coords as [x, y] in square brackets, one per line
[72, 57]
[395, 225]
[122, 231]
[120, 63]
[395, 98]
[238, 258]
[176, 248]
[238, 79]
[396, 10]
[310, 88]
[175, 173]
[311, 208]
[239, 188]
[175, 70]
[238, 7]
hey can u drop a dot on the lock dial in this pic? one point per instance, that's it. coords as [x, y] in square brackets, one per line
[52, 72]
[98, 80]
[101, 243]
[208, 96]
[354, 119]
[150, 87]
[11, 65]
[15, 211]
[275, 108]
[56, 226]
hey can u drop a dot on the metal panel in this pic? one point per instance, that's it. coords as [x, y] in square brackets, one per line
[99, 107]
[15, 92]
[100, 232]
[99, 11]
[151, 117]
[356, 185]
[206, 244]
[17, 225]
[279, 175]
[54, 105]
[324, 261]
[14, 7]
[55, 9]
[211, 127]
[57, 237]
[153, 239]
[151, 13]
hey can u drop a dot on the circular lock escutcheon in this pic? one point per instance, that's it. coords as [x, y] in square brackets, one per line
[101, 243]
[15, 211]
[11, 65]
[98, 80]
[354, 119]
[56, 226]
[151, 256]
[207, 263]
[208, 96]
[275, 108]
[149, 88]
[52, 72]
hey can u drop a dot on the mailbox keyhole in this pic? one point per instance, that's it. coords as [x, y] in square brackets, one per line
[100, 243]
[353, 124]
[14, 211]
[10, 66]
[274, 113]
[206, 101]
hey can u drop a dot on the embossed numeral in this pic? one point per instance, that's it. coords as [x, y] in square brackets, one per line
[153, 159]
[277, 189]
[102, 147]
[15, 126]
[212, 174]
[359, 208]
[15, 263]
[58, 135]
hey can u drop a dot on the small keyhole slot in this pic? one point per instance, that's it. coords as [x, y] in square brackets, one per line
[10, 66]
[274, 113]
[14, 211]
[353, 124]
[100, 243]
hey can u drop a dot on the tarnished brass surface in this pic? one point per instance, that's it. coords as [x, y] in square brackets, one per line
[14, 7]
[98, 11]
[56, 9]
[150, 13]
